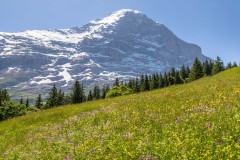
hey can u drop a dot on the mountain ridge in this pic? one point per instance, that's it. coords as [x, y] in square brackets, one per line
[124, 44]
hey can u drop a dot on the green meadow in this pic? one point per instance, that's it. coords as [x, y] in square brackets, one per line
[197, 120]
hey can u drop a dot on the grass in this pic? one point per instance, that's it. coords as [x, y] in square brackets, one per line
[198, 120]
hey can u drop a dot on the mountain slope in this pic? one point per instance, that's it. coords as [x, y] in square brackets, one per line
[124, 44]
[198, 120]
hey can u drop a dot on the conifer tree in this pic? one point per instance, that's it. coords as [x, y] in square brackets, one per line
[146, 83]
[188, 71]
[67, 99]
[149, 81]
[173, 72]
[103, 92]
[90, 96]
[61, 97]
[170, 78]
[196, 70]
[107, 88]
[183, 73]
[154, 82]
[52, 100]
[137, 86]
[218, 66]
[229, 65]
[84, 98]
[165, 78]
[39, 103]
[21, 100]
[211, 66]
[234, 64]
[123, 84]
[4, 96]
[116, 82]
[206, 68]
[27, 103]
[77, 95]
[142, 83]
[1, 98]
[96, 92]
[130, 83]
[177, 78]
[133, 89]
[161, 81]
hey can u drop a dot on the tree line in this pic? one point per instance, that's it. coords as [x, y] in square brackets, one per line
[57, 97]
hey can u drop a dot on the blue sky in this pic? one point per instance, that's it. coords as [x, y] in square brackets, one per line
[214, 25]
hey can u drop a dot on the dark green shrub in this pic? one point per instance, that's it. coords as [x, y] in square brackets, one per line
[10, 109]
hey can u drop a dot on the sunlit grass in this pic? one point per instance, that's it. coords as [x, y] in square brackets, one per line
[199, 120]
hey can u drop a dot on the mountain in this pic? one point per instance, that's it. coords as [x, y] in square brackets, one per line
[196, 120]
[124, 44]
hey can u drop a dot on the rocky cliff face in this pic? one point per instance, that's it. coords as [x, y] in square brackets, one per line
[124, 44]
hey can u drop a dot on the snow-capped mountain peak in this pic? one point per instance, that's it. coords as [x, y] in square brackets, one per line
[124, 44]
[115, 16]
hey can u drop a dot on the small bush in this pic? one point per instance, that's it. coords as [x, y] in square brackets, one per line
[10, 109]
[118, 91]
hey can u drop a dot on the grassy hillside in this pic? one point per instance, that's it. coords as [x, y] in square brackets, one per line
[199, 120]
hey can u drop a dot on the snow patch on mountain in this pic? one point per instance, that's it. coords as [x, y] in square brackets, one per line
[66, 75]
[13, 70]
[78, 56]
[43, 81]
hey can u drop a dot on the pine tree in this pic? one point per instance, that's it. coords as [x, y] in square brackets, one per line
[39, 103]
[77, 95]
[170, 78]
[206, 68]
[173, 72]
[96, 92]
[90, 96]
[146, 83]
[161, 81]
[165, 78]
[52, 100]
[4, 96]
[61, 98]
[234, 64]
[1, 97]
[124, 83]
[196, 70]
[133, 89]
[183, 73]
[27, 103]
[84, 98]
[177, 78]
[116, 82]
[130, 84]
[137, 86]
[67, 99]
[103, 92]
[142, 83]
[21, 100]
[218, 66]
[188, 71]
[107, 88]
[154, 82]
[211, 66]
[229, 65]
